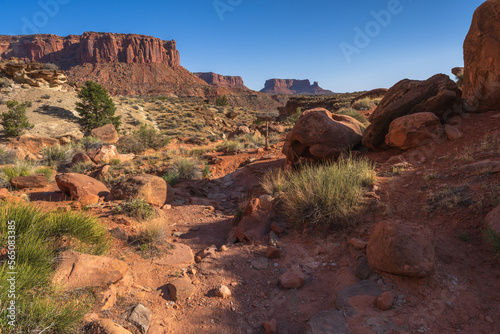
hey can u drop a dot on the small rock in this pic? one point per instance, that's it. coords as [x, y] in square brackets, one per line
[119, 233]
[181, 289]
[452, 133]
[266, 202]
[223, 248]
[223, 292]
[106, 326]
[363, 270]
[273, 239]
[141, 317]
[488, 319]
[292, 280]
[273, 252]
[277, 228]
[260, 263]
[385, 301]
[270, 326]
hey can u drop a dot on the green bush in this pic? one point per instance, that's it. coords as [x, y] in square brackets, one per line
[187, 169]
[323, 195]
[90, 143]
[221, 101]
[96, 107]
[15, 121]
[171, 177]
[136, 208]
[130, 144]
[57, 155]
[292, 119]
[152, 235]
[20, 168]
[47, 171]
[39, 238]
[229, 146]
[149, 137]
[364, 104]
[81, 167]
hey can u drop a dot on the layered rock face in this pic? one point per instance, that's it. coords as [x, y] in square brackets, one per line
[292, 86]
[91, 47]
[33, 74]
[221, 80]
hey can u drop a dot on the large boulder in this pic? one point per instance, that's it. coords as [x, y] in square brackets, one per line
[482, 65]
[401, 248]
[321, 135]
[77, 271]
[152, 189]
[79, 185]
[438, 95]
[107, 134]
[413, 130]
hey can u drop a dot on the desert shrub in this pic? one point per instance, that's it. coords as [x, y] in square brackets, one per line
[293, 118]
[323, 195]
[136, 208]
[7, 155]
[90, 143]
[228, 146]
[363, 104]
[221, 100]
[249, 140]
[57, 155]
[206, 171]
[96, 107]
[40, 237]
[47, 171]
[81, 167]
[130, 144]
[449, 198]
[15, 121]
[171, 177]
[20, 168]
[45, 96]
[49, 66]
[152, 234]
[149, 137]
[187, 169]
[354, 114]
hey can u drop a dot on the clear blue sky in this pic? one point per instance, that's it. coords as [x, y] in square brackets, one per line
[263, 39]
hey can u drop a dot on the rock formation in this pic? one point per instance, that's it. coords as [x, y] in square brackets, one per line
[482, 65]
[292, 86]
[34, 74]
[221, 80]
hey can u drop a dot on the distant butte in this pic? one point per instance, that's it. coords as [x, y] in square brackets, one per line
[293, 86]
[221, 80]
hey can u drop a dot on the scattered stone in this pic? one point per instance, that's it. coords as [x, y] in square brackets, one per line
[363, 270]
[358, 243]
[107, 134]
[223, 292]
[181, 289]
[328, 322]
[493, 220]
[292, 280]
[106, 326]
[120, 234]
[273, 252]
[151, 188]
[413, 130]
[140, 317]
[401, 248]
[321, 135]
[79, 185]
[260, 263]
[385, 301]
[76, 271]
[270, 326]
[32, 181]
[452, 133]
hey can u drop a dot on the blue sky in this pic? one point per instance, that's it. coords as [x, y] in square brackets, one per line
[263, 39]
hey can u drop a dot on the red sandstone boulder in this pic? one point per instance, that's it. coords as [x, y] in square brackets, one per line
[481, 81]
[107, 134]
[438, 95]
[255, 224]
[104, 154]
[78, 185]
[32, 181]
[152, 189]
[413, 130]
[401, 248]
[321, 135]
[81, 157]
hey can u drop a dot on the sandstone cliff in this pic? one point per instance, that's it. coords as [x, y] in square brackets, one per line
[292, 86]
[221, 80]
